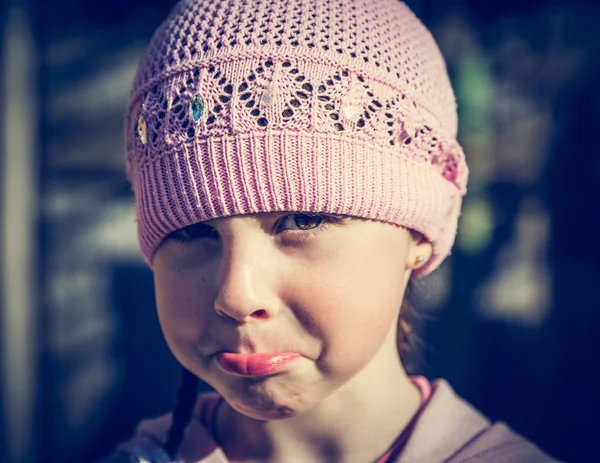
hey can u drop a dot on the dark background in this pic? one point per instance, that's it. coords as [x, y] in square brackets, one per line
[511, 319]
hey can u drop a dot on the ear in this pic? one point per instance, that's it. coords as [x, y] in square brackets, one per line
[419, 252]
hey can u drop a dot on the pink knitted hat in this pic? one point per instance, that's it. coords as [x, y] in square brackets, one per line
[333, 106]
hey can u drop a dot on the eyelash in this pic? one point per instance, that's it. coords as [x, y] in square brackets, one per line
[326, 222]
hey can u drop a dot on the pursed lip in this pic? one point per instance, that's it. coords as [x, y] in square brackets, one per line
[255, 364]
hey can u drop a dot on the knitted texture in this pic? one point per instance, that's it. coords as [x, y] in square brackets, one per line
[333, 106]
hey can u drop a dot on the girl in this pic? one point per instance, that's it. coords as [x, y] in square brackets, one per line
[294, 164]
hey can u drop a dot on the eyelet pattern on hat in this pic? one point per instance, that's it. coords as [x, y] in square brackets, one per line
[340, 106]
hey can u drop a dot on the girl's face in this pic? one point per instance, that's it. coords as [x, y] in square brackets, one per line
[323, 291]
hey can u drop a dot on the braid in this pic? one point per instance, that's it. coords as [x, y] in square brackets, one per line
[182, 414]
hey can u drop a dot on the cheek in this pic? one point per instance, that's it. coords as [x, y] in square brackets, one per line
[181, 305]
[353, 306]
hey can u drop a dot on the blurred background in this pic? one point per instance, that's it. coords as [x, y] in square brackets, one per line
[512, 319]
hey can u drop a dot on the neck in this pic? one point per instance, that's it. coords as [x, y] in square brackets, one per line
[357, 423]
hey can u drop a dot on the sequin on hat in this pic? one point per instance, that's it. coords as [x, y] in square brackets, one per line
[142, 130]
[197, 108]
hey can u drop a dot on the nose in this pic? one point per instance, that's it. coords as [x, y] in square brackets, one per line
[245, 283]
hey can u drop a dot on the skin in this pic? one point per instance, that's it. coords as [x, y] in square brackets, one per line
[329, 290]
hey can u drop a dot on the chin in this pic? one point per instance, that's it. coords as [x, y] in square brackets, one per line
[267, 402]
[263, 412]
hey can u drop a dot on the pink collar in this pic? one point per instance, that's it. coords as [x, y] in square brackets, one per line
[425, 388]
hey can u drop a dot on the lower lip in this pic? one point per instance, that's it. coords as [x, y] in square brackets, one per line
[255, 364]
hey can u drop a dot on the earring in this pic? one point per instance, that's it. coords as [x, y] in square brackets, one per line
[420, 260]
